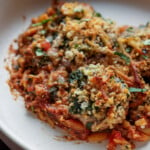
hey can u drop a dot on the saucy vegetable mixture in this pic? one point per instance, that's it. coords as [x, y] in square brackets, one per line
[81, 72]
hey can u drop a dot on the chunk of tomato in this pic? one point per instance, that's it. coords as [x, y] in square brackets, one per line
[45, 46]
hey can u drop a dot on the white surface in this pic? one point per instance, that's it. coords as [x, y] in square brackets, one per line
[15, 121]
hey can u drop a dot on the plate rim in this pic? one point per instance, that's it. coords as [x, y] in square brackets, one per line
[11, 136]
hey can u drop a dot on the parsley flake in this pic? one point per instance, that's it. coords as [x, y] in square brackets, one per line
[97, 14]
[130, 29]
[145, 57]
[126, 58]
[39, 52]
[75, 108]
[89, 125]
[41, 23]
[128, 49]
[133, 89]
[43, 32]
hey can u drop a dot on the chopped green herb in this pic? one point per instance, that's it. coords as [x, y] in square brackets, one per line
[77, 76]
[75, 108]
[78, 9]
[117, 80]
[84, 20]
[145, 57]
[89, 125]
[43, 32]
[76, 46]
[146, 42]
[53, 89]
[123, 85]
[128, 49]
[39, 52]
[112, 77]
[128, 95]
[130, 29]
[126, 58]
[127, 147]
[144, 50]
[133, 89]
[116, 44]
[41, 23]
[90, 107]
[97, 14]
[61, 80]
[49, 38]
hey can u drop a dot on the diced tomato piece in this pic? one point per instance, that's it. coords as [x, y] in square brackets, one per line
[115, 139]
[123, 28]
[45, 46]
[30, 88]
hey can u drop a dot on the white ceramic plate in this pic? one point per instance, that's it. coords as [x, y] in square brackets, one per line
[15, 122]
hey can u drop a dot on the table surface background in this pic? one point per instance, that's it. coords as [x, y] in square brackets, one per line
[10, 144]
[3, 146]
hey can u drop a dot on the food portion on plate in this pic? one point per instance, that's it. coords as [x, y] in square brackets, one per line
[81, 72]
